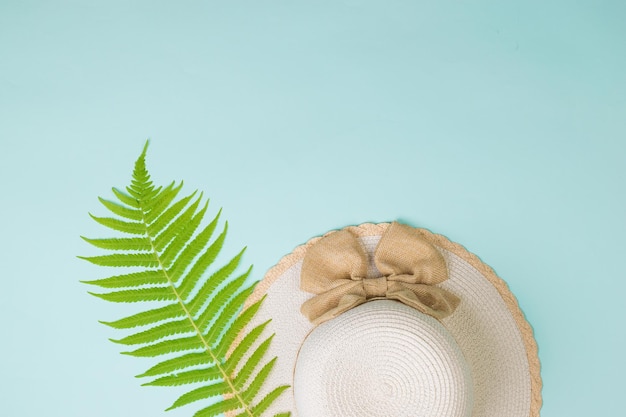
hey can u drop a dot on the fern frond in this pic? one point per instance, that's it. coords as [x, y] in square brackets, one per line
[174, 261]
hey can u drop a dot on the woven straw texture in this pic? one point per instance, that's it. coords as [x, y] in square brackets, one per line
[488, 326]
[382, 358]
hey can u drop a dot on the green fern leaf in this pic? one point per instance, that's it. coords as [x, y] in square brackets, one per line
[238, 325]
[158, 332]
[258, 381]
[126, 199]
[156, 228]
[143, 294]
[124, 259]
[248, 368]
[189, 253]
[225, 406]
[201, 265]
[184, 233]
[188, 377]
[243, 347]
[126, 244]
[267, 401]
[155, 206]
[173, 258]
[168, 346]
[227, 306]
[122, 211]
[201, 393]
[134, 279]
[224, 323]
[133, 228]
[172, 311]
[180, 362]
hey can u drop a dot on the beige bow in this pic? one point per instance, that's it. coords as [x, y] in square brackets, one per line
[335, 268]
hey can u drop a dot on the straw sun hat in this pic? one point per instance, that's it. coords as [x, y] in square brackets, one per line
[388, 320]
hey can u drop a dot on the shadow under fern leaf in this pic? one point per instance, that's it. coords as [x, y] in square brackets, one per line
[171, 255]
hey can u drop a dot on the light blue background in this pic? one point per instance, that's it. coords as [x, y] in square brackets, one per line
[499, 124]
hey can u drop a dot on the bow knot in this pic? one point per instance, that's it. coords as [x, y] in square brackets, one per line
[335, 269]
[375, 287]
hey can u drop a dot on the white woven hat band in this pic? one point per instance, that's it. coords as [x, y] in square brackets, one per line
[382, 359]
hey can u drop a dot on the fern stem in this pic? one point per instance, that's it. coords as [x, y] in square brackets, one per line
[214, 358]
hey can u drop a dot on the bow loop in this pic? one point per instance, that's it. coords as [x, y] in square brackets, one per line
[335, 269]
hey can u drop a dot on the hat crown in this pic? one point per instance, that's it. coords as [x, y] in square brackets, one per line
[382, 358]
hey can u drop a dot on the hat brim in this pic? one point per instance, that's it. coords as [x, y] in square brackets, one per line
[488, 326]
